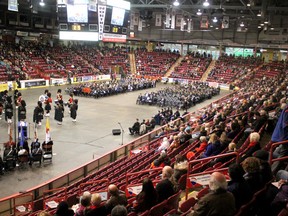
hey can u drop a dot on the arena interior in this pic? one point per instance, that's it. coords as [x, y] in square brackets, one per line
[143, 107]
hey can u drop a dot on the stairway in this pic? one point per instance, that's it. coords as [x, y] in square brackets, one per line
[132, 63]
[176, 64]
[210, 67]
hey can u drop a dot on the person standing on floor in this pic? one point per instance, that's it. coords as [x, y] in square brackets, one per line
[48, 103]
[59, 113]
[73, 110]
[38, 114]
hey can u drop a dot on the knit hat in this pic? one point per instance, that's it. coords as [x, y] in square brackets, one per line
[261, 154]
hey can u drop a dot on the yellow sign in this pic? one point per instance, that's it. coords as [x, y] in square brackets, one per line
[3, 87]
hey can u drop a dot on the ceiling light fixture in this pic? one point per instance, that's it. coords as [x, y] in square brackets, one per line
[199, 13]
[206, 3]
[242, 24]
[215, 20]
[259, 27]
[176, 3]
[216, 28]
[266, 22]
[259, 14]
[272, 28]
[248, 4]
[42, 3]
[262, 24]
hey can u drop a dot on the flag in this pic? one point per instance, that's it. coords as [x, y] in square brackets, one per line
[178, 20]
[22, 137]
[225, 22]
[158, 20]
[167, 20]
[48, 137]
[204, 22]
[140, 25]
[173, 17]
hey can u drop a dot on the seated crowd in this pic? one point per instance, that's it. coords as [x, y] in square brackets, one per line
[192, 66]
[155, 63]
[228, 68]
[107, 88]
[181, 96]
[233, 124]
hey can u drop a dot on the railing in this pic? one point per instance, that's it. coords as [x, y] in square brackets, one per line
[6, 204]
[274, 145]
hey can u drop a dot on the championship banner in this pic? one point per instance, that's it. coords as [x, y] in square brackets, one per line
[158, 20]
[140, 27]
[167, 20]
[133, 190]
[92, 5]
[178, 20]
[132, 22]
[204, 22]
[173, 20]
[182, 24]
[225, 22]
[136, 19]
[189, 25]
[13, 5]
[101, 18]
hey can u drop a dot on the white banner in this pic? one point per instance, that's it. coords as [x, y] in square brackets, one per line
[136, 19]
[101, 19]
[225, 22]
[158, 20]
[173, 20]
[189, 26]
[167, 20]
[92, 5]
[13, 5]
[178, 20]
[182, 24]
[140, 27]
[204, 22]
[132, 21]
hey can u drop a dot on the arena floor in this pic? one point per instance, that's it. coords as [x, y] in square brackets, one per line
[76, 143]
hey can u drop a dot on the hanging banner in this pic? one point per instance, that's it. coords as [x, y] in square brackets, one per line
[189, 25]
[182, 24]
[132, 22]
[158, 20]
[178, 20]
[101, 18]
[225, 22]
[13, 5]
[204, 22]
[140, 27]
[136, 19]
[92, 5]
[173, 20]
[167, 20]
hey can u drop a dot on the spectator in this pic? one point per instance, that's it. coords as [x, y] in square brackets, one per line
[44, 213]
[161, 161]
[238, 186]
[165, 188]
[96, 208]
[218, 201]
[231, 148]
[175, 144]
[116, 198]
[213, 148]
[203, 144]
[85, 201]
[253, 146]
[164, 144]
[63, 209]
[180, 167]
[135, 128]
[119, 210]
[251, 166]
[265, 168]
[147, 198]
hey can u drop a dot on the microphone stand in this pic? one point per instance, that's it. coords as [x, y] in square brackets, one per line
[122, 130]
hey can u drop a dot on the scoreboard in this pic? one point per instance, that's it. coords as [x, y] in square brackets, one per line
[93, 20]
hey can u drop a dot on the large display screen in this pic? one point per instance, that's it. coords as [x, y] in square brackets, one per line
[118, 15]
[77, 13]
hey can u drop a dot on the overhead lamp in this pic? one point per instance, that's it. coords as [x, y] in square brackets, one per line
[242, 24]
[176, 3]
[199, 13]
[42, 3]
[266, 22]
[259, 14]
[248, 4]
[211, 26]
[216, 28]
[206, 3]
[259, 27]
[262, 24]
[272, 28]
[215, 20]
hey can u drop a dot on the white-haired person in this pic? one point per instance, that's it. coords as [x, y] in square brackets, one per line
[164, 145]
[218, 201]
[253, 146]
[85, 201]
[96, 208]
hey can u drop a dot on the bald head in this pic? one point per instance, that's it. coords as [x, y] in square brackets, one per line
[167, 172]
[113, 190]
[217, 181]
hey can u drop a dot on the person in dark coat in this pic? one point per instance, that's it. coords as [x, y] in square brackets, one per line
[38, 113]
[73, 110]
[238, 186]
[22, 111]
[96, 208]
[63, 210]
[165, 188]
[147, 198]
[116, 198]
[59, 113]
[8, 110]
[265, 168]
